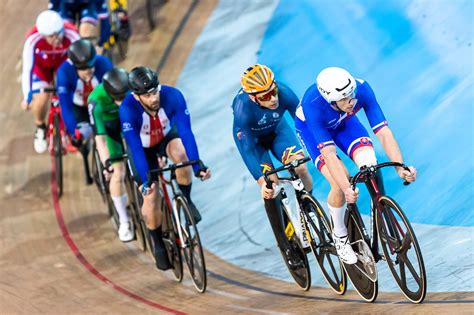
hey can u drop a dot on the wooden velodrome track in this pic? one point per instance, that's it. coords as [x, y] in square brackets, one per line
[63, 257]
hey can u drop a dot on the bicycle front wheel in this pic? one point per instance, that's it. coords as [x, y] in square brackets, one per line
[322, 244]
[191, 245]
[58, 154]
[401, 250]
[362, 274]
[171, 240]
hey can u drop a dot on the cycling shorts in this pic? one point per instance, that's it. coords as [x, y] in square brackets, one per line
[86, 10]
[348, 137]
[114, 138]
[153, 153]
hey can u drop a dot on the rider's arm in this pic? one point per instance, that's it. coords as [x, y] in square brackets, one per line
[104, 22]
[65, 93]
[131, 125]
[181, 119]
[390, 144]
[99, 127]
[27, 60]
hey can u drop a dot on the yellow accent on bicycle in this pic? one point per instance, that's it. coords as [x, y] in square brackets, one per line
[289, 231]
[114, 4]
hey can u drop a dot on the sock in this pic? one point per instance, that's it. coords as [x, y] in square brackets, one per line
[156, 237]
[186, 189]
[120, 204]
[337, 215]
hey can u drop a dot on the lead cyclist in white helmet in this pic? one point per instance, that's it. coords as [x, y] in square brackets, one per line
[45, 49]
[327, 118]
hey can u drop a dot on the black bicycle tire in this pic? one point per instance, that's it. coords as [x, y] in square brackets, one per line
[338, 286]
[134, 210]
[366, 288]
[170, 235]
[201, 288]
[98, 175]
[58, 154]
[296, 246]
[152, 8]
[418, 296]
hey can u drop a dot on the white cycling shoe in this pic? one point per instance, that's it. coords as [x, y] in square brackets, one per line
[344, 249]
[40, 143]
[124, 232]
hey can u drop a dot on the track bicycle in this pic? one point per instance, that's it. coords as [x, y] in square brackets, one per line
[55, 135]
[120, 31]
[391, 228]
[314, 228]
[180, 233]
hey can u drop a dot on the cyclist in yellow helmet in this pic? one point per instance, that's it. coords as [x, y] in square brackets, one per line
[259, 128]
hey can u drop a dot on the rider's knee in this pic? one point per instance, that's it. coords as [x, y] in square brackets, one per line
[365, 157]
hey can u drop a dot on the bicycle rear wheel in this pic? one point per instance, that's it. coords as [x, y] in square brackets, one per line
[58, 154]
[191, 245]
[362, 274]
[170, 238]
[301, 275]
[401, 250]
[322, 244]
[97, 174]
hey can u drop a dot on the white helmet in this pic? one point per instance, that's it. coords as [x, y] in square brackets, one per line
[49, 22]
[334, 84]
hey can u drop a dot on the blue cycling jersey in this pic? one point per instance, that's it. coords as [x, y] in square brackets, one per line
[72, 91]
[323, 119]
[142, 130]
[253, 123]
[319, 124]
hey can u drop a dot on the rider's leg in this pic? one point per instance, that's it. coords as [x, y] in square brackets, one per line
[176, 152]
[88, 30]
[119, 198]
[336, 202]
[152, 216]
[39, 107]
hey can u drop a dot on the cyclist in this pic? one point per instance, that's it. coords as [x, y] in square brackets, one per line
[259, 127]
[76, 78]
[85, 10]
[92, 14]
[156, 122]
[44, 51]
[326, 118]
[103, 105]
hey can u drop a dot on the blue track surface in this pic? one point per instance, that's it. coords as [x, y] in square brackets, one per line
[417, 56]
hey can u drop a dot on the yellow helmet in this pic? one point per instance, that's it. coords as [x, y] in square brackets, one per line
[256, 79]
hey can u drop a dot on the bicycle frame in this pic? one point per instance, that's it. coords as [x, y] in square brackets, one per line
[368, 175]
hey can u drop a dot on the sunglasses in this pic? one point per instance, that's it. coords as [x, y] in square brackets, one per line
[268, 95]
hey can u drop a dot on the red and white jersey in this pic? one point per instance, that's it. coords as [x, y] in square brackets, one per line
[154, 128]
[41, 60]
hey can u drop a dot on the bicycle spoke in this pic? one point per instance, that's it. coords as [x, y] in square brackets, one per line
[411, 268]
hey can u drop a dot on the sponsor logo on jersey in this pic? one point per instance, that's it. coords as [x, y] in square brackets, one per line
[276, 115]
[364, 140]
[126, 126]
[239, 135]
[186, 111]
[321, 145]
[263, 120]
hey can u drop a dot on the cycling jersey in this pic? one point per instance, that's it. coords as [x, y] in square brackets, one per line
[104, 116]
[141, 130]
[103, 109]
[73, 91]
[41, 60]
[89, 11]
[319, 125]
[258, 129]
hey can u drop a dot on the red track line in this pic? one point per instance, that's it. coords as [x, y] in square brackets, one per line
[72, 245]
